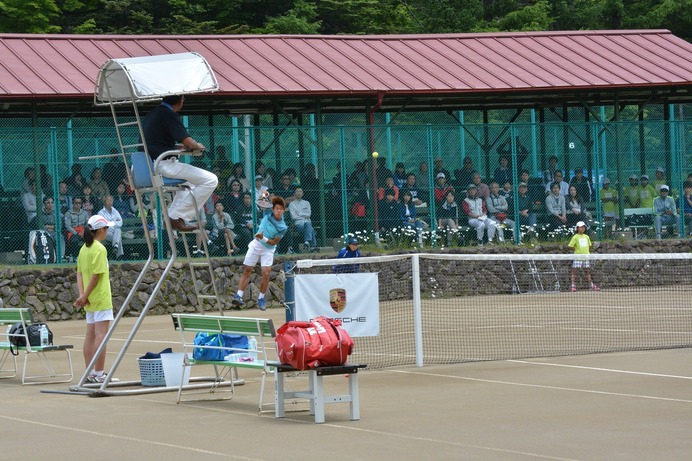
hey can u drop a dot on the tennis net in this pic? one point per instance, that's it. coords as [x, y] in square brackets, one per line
[452, 308]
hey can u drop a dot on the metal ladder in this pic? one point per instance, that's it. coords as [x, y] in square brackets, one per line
[537, 278]
[161, 191]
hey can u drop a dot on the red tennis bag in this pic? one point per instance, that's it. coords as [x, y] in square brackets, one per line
[320, 342]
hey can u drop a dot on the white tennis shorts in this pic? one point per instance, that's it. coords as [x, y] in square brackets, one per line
[258, 252]
[581, 264]
[99, 316]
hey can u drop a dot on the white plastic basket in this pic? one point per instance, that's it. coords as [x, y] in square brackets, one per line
[151, 372]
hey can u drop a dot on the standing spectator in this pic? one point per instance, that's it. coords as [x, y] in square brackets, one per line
[448, 216]
[482, 189]
[423, 178]
[660, 178]
[46, 180]
[555, 206]
[474, 208]
[75, 220]
[301, 214]
[564, 187]
[260, 170]
[503, 172]
[75, 183]
[632, 192]
[49, 220]
[223, 229]
[609, 202]
[506, 149]
[64, 200]
[407, 215]
[114, 172]
[382, 172]
[242, 218]
[582, 184]
[646, 192]
[441, 188]
[311, 185]
[114, 234]
[525, 206]
[464, 176]
[549, 174]
[29, 178]
[497, 209]
[261, 249]
[93, 284]
[28, 201]
[388, 209]
[399, 175]
[285, 189]
[687, 206]
[581, 243]
[665, 212]
[575, 207]
[99, 187]
[349, 251]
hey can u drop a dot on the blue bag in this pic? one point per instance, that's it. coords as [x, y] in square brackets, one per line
[231, 342]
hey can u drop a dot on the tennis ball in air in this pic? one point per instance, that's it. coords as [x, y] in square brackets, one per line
[375, 154]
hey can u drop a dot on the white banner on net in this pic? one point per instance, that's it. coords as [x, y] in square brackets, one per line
[351, 298]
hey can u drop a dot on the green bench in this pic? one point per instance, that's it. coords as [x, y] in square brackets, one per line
[8, 360]
[190, 324]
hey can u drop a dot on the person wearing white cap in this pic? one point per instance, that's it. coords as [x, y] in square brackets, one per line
[114, 231]
[94, 287]
[581, 243]
[665, 212]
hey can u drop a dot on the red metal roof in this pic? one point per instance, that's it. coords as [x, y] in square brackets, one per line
[49, 66]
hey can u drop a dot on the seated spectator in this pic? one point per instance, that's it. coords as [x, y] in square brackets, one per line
[508, 194]
[448, 216]
[125, 204]
[665, 212]
[399, 175]
[243, 222]
[388, 184]
[301, 214]
[441, 188]
[423, 178]
[503, 172]
[64, 200]
[259, 186]
[632, 192]
[99, 187]
[295, 180]
[474, 209]
[660, 179]
[349, 251]
[388, 209]
[464, 176]
[260, 170]
[223, 229]
[115, 232]
[75, 220]
[647, 193]
[28, 200]
[285, 189]
[525, 206]
[609, 203]
[575, 207]
[382, 172]
[90, 203]
[534, 187]
[549, 174]
[407, 215]
[564, 187]
[238, 173]
[687, 206]
[497, 209]
[555, 207]
[482, 189]
[75, 182]
[419, 197]
[582, 184]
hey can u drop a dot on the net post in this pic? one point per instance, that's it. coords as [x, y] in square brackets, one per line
[289, 291]
[417, 317]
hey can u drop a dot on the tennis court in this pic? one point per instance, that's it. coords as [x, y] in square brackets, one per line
[616, 406]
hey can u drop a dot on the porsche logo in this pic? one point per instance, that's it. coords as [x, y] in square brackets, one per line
[337, 299]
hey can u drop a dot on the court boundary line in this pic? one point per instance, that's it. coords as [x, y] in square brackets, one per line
[611, 370]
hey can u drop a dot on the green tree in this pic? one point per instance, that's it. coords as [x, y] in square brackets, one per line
[444, 16]
[301, 19]
[531, 17]
[29, 16]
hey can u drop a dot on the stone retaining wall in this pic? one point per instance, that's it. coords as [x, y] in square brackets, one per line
[51, 291]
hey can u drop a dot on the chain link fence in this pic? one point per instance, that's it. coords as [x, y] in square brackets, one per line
[399, 198]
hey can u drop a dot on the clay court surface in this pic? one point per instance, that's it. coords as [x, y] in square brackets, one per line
[617, 406]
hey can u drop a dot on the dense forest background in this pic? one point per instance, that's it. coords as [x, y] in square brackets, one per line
[190, 17]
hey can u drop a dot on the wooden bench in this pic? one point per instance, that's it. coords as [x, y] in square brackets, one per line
[10, 316]
[215, 324]
[315, 391]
